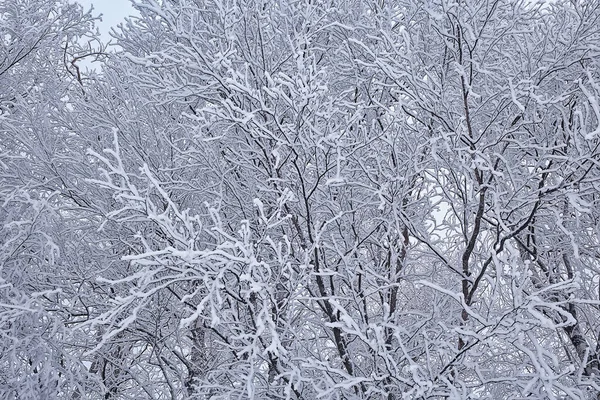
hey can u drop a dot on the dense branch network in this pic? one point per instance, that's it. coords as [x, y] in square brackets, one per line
[301, 200]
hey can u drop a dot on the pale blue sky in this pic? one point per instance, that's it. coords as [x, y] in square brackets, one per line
[113, 12]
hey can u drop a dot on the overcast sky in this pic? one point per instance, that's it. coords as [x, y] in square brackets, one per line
[113, 12]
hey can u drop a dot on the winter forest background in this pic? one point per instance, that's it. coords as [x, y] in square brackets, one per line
[301, 199]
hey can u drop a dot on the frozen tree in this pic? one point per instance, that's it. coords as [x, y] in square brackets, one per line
[362, 199]
[40, 44]
[302, 200]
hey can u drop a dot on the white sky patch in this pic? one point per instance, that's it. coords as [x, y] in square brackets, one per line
[113, 13]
